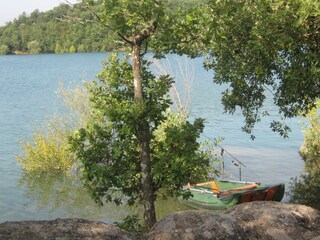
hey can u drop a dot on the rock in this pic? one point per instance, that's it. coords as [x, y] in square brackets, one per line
[196, 225]
[61, 229]
[249, 221]
[274, 220]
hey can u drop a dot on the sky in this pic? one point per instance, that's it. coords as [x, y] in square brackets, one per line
[11, 9]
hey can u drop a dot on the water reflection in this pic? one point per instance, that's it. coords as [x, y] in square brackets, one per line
[58, 195]
[63, 196]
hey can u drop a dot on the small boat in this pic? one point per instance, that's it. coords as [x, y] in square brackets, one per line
[220, 195]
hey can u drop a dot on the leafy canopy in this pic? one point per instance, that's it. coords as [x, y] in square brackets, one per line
[310, 149]
[305, 189]
[109, 148]
[257, 49]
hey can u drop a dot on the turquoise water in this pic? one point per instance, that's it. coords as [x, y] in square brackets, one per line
[27, 96]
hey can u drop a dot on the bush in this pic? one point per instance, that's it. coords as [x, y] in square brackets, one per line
[34, 47]
[48, 149]
[310, 149]
[132, 224]
[72, 49]
[4, 49]
[306, 190]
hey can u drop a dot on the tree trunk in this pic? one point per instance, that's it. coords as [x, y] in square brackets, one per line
[144, 141]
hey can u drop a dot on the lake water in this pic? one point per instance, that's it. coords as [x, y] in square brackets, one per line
[27, 96]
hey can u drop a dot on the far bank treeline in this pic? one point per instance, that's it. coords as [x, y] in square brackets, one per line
[64, 29]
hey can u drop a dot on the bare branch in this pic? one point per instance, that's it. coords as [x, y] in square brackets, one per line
[124, 38]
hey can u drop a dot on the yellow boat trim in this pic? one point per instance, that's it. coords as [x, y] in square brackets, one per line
[213, 185]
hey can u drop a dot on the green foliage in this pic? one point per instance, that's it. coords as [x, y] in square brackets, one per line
[310, 149]
[48, 149]
[255, 48]
[4, 49]
[306, 190]
[58, 48]
[124, 16]
[34, 47]
[70, 25]
[265, 46]
[72, 49]
[178, 158]
[109, 149]
[132, 224]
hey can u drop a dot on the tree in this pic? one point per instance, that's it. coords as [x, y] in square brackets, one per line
[58, 48]
[47, 152]
[4, 49]
[306, 188]
[122, 152]
[110, 148]
[72, 49]
[257, 48]
[34, 47]
[62, 24]
[135, 22]
[310, 149]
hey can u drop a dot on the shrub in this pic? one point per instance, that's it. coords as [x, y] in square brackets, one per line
[306, 190]
[34, 47]
[310, 149]
[48, 150]
[4, 49]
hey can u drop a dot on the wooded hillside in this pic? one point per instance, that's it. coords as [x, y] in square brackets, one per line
[63, 29]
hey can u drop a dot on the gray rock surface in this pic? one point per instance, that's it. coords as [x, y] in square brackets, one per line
[249, 221]
[61, 229]
[197, 225]
[277, 221]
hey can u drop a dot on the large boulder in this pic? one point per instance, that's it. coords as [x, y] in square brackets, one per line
[61, 229]
[197, 225]
[277, 221]
[250, 221]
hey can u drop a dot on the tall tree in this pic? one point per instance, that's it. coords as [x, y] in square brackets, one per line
[121, 151]
[135, 22]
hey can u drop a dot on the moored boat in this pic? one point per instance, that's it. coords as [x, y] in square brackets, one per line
[220, 195]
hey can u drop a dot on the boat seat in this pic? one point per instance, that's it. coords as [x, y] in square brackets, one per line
[213, 185]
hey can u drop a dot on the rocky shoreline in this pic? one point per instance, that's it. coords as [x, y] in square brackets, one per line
[256, 220]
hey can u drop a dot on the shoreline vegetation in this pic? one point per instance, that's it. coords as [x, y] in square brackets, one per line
[69, 29]
[63, 29]
[27, 53]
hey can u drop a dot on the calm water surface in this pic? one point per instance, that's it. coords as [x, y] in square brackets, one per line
[27, 96]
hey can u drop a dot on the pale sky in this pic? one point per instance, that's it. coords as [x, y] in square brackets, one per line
[11, 9]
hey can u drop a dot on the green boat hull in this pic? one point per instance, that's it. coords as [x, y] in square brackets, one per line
[230, 193]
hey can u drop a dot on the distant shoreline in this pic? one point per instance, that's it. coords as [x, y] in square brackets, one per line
[27, 53]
